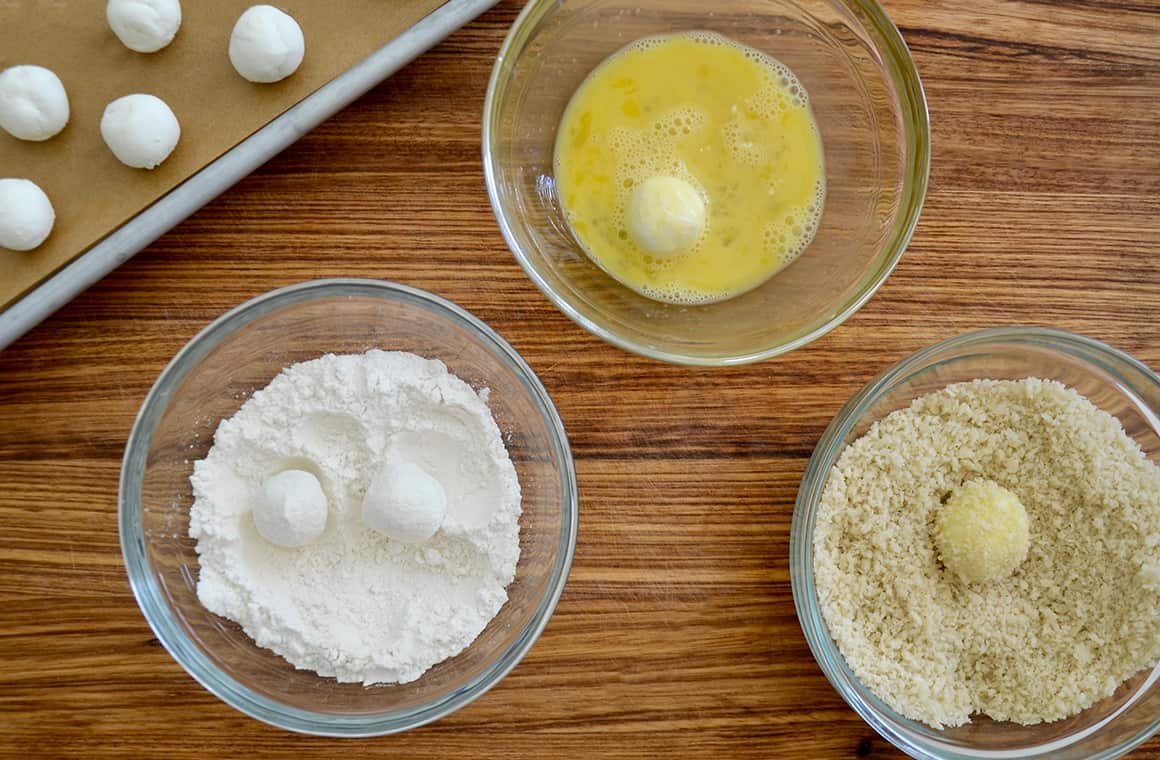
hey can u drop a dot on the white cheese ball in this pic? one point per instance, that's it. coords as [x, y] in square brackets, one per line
[266, 44]
[144, 25]
[405, 503]
[141, 130]
[290, 510]
[26, 215]
[33, 103]
[666, 215]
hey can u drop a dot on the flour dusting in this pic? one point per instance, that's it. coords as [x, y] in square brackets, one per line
[355, 604]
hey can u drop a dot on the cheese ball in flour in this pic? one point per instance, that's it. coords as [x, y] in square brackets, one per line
[141, 130]
[405, 503]
[266, 45]
[290, 510]
[26, 215]
[33, 103]
[145, 26]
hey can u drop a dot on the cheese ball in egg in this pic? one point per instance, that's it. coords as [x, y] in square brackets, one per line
[666, 215]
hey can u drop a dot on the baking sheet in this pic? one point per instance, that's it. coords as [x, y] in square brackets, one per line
[92, 192]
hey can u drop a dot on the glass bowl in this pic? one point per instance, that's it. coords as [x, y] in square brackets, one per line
[209, 380]
[869, 106]
[1113, 381]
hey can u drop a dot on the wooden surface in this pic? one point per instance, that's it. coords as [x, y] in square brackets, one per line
[676, 634]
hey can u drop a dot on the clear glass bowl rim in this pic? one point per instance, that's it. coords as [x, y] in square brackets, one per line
[829, 447]
[895, 56]
[148, 594]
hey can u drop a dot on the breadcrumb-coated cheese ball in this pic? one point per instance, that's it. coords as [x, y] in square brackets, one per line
[982, 532]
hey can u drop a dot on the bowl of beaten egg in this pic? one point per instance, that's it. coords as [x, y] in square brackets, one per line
[706, 183]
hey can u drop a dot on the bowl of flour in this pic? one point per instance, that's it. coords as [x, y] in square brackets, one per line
[975, 550]
[348, 508]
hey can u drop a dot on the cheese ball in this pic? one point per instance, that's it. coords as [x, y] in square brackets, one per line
[266, 45]
[26, 215]
[141, 130]
[33, 103]
[982, 532]
[145, 26]
[290, 510]
[405, 503]
[666, 215]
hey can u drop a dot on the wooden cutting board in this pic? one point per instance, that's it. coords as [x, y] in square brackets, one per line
[676, 636]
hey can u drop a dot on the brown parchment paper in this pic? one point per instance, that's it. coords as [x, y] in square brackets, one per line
[92, 192]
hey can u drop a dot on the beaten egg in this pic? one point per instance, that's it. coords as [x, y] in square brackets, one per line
[690, 168]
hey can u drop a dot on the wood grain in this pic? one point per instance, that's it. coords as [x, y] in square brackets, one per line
[676, 634]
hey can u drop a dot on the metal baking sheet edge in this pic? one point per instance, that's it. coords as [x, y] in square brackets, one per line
[232, 166]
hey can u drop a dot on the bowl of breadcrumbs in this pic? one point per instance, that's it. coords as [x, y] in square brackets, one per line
[975, 550]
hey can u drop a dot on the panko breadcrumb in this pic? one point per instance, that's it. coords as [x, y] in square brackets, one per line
[1073, 622]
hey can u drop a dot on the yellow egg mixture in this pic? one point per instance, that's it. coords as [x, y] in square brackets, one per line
[690, 168]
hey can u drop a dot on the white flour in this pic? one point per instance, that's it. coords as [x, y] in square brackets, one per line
[357, 605]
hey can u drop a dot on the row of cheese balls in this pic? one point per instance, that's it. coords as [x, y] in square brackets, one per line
[266, 45]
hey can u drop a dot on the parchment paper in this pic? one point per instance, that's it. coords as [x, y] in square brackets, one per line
[92, 192]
